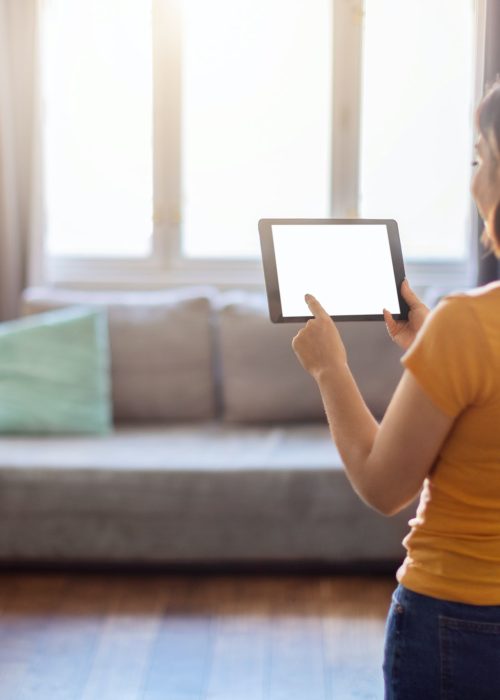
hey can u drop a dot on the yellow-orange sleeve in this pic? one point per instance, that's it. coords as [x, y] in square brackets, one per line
[449, 356]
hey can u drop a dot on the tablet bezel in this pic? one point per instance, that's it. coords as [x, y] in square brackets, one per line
[271, 274]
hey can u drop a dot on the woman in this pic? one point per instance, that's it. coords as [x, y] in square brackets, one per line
[441, 430]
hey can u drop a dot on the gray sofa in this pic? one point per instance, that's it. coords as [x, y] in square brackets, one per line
[221, 453]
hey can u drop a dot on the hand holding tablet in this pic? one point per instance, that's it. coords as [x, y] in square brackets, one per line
[353, 267]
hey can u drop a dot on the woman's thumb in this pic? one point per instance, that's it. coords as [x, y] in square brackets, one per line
[391, 324]
[408, 294]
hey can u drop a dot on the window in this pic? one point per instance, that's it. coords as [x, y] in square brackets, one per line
[97, 90]
[172, 126]
[416, 122]
[256, 119]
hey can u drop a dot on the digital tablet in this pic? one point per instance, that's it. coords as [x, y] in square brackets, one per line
[354, 268]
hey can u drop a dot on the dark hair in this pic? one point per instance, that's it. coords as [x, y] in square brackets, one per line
[488, 121]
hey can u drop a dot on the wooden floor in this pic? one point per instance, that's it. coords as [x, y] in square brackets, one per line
[170, 637]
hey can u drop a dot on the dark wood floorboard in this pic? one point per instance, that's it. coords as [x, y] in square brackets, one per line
[80, 636]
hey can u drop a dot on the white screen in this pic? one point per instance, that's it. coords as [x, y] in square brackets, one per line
[348, 268]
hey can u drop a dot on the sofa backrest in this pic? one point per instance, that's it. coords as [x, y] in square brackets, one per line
[263, 379]
[195, 353]
[161, 349]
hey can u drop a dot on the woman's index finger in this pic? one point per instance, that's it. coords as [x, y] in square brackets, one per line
[315, 307]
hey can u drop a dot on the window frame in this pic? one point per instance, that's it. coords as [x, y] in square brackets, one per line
[166, 266]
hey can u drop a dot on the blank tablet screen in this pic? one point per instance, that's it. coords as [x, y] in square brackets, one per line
[348, 268]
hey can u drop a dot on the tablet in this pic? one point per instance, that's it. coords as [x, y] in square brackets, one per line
[354, 268]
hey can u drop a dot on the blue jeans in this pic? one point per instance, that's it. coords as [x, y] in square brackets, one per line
[438, 649]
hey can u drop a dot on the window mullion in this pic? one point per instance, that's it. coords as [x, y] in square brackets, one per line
[347, 62]
[167, 50]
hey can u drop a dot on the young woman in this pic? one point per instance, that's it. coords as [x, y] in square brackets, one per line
[441, 431]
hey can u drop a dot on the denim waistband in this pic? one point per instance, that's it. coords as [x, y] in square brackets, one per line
[406, 597]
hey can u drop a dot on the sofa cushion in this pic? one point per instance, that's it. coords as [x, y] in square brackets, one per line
[263, 379]
[54, 373]
[184, 493]
[161, 349]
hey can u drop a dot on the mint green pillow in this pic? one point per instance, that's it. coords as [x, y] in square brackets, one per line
[54, 373]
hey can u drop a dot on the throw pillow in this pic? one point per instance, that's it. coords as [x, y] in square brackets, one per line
[54, 373]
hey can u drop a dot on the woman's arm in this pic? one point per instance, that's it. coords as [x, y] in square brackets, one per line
[387, 463]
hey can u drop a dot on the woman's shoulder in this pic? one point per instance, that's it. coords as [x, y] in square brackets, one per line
[490, 292]
[466, 310]
[471, 317]
[480, 302]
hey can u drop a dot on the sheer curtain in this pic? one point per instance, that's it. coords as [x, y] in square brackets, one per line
[21, 249]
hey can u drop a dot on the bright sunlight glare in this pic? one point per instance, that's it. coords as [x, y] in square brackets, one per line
[97, 137]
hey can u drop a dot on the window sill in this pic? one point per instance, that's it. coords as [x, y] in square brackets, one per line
[99, 274]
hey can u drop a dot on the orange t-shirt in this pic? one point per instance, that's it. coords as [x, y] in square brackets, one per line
[453, 549]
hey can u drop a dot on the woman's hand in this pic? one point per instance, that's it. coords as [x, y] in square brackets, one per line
[318, 345]
[403, 332]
